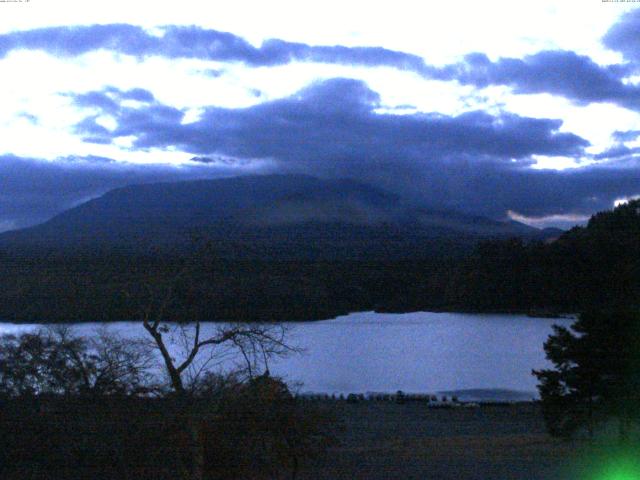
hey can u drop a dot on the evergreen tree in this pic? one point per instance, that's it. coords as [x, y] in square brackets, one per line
[596, 375]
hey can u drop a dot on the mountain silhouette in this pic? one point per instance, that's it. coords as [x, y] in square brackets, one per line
[293, 216]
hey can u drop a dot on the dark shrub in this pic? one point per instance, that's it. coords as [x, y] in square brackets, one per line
[261, 431]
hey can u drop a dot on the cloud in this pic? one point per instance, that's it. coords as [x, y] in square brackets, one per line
[474, 162]
[279, 51]
[137, 94]
[100, 100]
[333, 120]
[196, 42]
[109, 99]
[92, 132]
[616, 151]
[108, 102]
[619, 149]
[623, 36]
[575, 77]
[201, 160]
[33, 190]
[626, 136]
[540, 193]
[78, 40]
[556, 72]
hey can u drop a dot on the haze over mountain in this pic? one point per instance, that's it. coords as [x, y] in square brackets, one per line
[289, 216]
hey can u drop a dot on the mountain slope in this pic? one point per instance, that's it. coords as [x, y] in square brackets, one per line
[290, 216]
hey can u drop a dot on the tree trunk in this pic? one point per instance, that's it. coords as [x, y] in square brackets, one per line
[174, 374]
[176, 380]
[196, 447]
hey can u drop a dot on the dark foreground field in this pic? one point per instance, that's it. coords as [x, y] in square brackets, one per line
[387, 441]
[140, 439]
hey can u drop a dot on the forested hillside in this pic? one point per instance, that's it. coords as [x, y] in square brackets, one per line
[588, 266]
[592, 266]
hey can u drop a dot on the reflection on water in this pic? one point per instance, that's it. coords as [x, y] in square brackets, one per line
[413, 352]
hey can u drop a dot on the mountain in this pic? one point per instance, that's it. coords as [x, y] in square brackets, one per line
[281, 216]
[299, 248]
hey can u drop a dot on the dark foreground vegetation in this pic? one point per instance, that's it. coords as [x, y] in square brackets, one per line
[118, 438]
[253, 430]
[587, 267]
[73, 407]
[107, 407]
[595, 382]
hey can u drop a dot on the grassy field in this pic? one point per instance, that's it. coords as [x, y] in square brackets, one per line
[406, 441]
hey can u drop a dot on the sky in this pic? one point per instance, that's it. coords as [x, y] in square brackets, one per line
[526, 110]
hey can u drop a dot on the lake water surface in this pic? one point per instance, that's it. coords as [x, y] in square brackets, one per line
[413, 352]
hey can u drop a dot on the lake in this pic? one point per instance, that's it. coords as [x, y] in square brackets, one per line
[413, 352]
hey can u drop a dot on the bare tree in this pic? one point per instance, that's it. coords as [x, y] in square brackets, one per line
[189, 349]
[58, 361]
[256, 344]
[123, 365]
[186, 349]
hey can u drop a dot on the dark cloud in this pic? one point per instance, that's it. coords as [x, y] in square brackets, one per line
[474, 162]
[556, 72]
[201, 159]
[108, 101]
[137, 94]
[110, 98]
[197, 42]
[564, 73]
[78, 40]
[626, 135]
[279, 52]
[92, 132]
[33, 190]
[538, 193]
[335, 121]
[616, 152]
[95, 100]
[619, 149]
[624, 36]
[226, 161]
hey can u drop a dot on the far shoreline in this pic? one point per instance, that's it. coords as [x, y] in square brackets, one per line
[541, 313]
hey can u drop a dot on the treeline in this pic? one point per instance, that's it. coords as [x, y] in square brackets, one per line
[584, 268]
[119, 286]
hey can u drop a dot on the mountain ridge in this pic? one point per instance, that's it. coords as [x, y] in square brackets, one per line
[270, 210]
